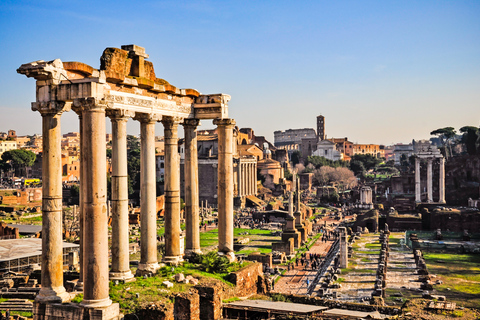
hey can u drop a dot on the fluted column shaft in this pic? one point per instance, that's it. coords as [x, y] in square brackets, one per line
[95, 260]
[418, 191]
[120, 269]
[52, 251]
[429, 181]
[225, 186]
[173, 252]
[148, 193]
[441, 181]
[192, 241]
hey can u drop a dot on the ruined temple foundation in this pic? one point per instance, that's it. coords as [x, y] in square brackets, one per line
[121, 93]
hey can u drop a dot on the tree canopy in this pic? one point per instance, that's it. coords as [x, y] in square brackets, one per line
[368, 161]
[17, 159]
[471, 139]
[446, 135]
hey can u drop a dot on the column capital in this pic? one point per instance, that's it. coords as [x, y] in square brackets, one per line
[89, 104]
[224, 122]
[51, 107]
[171, 120]
[191, 122]
[120, 114]
[147, 117]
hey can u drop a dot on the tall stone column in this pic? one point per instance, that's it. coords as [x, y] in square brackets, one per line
[225, 186]
[192, 241]
[95, 259]
[254, 178]
[173, 254]
[418, 191]
[441, 181]
[79, 284]
[429, 180]
[120, 269]
[52, 244]
[148, 195]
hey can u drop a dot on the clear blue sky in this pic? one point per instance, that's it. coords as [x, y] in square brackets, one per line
[379, 71]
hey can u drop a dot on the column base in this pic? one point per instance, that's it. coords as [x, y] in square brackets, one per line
[147, 268]
[172, 260]
[52, 295]
[74, 311]
[79, 286]
[101, 303]
[125, 276]
[190, 252]
[229, 255]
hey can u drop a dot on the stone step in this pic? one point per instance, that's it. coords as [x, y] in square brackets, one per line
[16, 308]
[18, 295]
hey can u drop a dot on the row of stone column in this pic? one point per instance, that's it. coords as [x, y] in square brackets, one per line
[441, 181]
[94, 273]
[247, 179]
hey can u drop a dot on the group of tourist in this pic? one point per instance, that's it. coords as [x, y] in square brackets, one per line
[329, 235]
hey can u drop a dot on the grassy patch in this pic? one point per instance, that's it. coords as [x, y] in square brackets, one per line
[460, 274]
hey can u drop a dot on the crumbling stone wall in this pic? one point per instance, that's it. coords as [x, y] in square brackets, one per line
[245, 279]
[187, 306]
[8, 232]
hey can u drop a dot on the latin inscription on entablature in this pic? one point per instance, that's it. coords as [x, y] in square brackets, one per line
[116, 100]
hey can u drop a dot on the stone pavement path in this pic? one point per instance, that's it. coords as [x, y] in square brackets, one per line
[359, 282]
[295, 280]
[401, 271]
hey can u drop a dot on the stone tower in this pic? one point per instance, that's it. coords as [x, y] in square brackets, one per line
[320, 128]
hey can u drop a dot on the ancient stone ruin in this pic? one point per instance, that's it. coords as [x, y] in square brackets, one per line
[125, 86]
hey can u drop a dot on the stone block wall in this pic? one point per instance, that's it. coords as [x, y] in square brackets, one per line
[262, 258]
[8, 232]
[187, 306]
[245, 279]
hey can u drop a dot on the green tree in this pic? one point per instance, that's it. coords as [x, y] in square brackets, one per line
[357, 167]
[469, 138]
[17, 159]
[368, 160]
[133, 167]
[446, 135]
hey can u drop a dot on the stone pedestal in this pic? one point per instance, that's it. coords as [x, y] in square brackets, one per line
[73, 311]
[225, 186]
[299, 226]
[291, 233]
[148, 205]
[52, 250]
[173, 253]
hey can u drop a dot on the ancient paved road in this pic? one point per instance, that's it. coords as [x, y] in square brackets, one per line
[295, 281]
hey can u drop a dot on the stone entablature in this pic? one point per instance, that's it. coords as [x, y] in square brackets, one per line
[119, 89]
